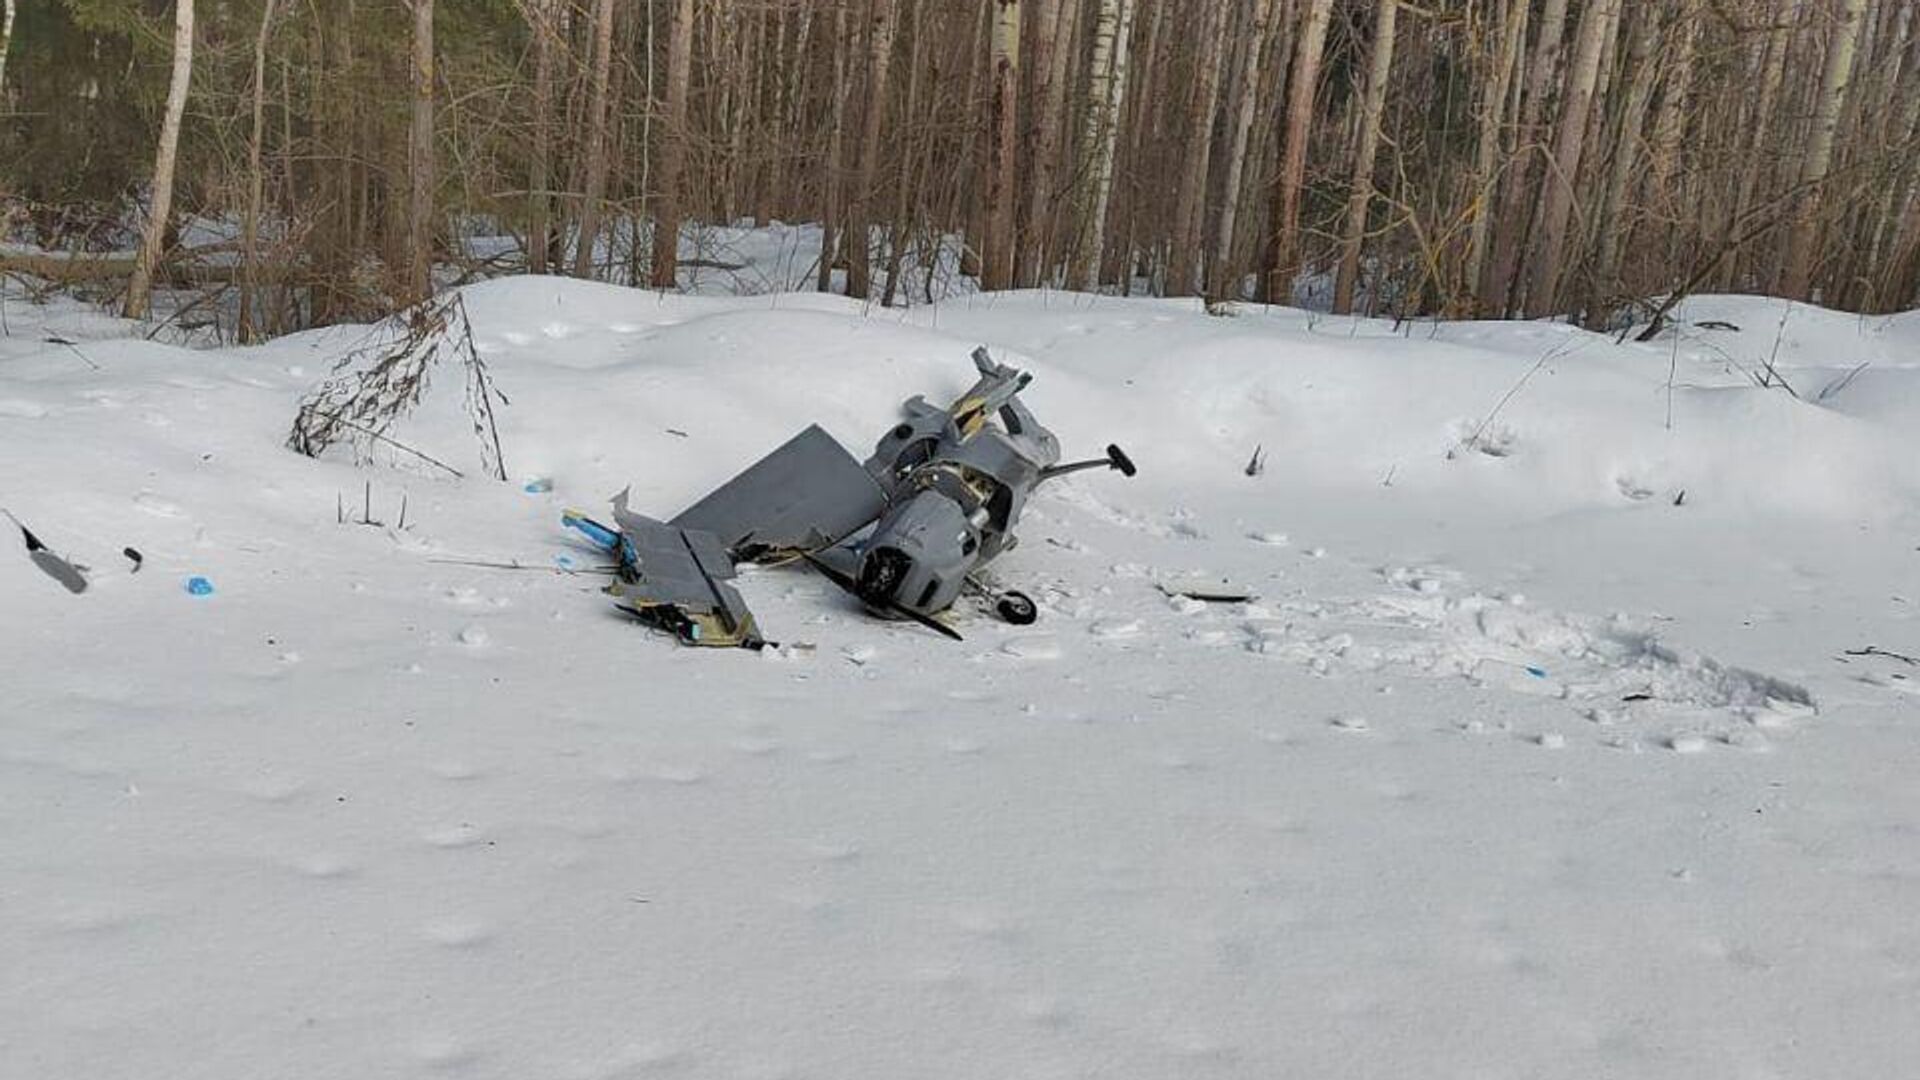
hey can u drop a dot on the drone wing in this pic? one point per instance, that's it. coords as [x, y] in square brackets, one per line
[679, 579]
[807, 495]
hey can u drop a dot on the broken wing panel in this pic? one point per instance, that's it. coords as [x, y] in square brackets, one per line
[678, 578]
[804, 496]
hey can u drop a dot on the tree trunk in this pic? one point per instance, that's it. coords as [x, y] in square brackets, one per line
[836, 141]
[1510, 225]
[256, 180]
[1003, 131]
[6, 45]
[1045, 253]
[419, 283]
[598, 105]
[1100, 133]
[1762, 124]
[1283, 255]
[540, 21]
[1612, 223]
[1187, 256]
[859, 222]
[1801, 243]
[1360, 196]
[1493, 115]
[666, 225]
[904, 203]
[1668, 137]
[1557, 190]
[1038, 49]
[153, 237]
[1218, 278]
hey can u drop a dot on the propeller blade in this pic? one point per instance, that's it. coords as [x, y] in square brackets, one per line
[853, 590]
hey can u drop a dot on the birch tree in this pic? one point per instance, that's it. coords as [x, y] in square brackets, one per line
[256, 178]
[1797, 275]
[6, 44]
[1283, 257]
[1190, 203]
[419, 283]
[836, 141]
[1002, 142]
[153, 237]
[1360, 195]
[1510, 223]
[883, 18]
[598, 105]
[542, 22]
[666, 223]
[1241, 136]
[1100, 133]
[1569, 141]
[1609, 223]
[1513, 32]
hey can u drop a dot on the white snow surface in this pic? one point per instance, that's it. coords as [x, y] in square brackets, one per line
[1538, 751]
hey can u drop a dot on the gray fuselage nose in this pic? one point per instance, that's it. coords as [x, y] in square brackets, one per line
[919, 554]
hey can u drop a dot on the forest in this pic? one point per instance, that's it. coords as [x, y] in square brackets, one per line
[303, 162]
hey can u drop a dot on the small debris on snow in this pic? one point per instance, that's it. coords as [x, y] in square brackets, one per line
[1687, 744]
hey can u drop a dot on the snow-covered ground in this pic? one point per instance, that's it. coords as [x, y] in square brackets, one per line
[1539, 752]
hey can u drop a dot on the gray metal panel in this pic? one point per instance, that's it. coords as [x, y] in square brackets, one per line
[684, 569]
[805, 495]
[671, 570]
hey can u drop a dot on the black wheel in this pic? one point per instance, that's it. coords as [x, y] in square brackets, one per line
[1017, 608]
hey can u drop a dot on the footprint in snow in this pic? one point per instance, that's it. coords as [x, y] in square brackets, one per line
[755, 745]
[681, 775]
[442, 1052]
[325, 866]
[457, 933]
[454, 836]
[273, 789]
[157, 506]
[832, 851]
[1687, 744]
[1033, 647]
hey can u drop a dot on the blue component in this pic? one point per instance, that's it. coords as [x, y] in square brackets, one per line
[605, 538]
[538, 485]
[1538, 673]
[199, 586]
[565, 562]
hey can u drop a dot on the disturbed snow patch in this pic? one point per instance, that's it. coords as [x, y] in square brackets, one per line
[1503, 641]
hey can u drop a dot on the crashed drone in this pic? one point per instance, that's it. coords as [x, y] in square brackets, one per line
[906, 533]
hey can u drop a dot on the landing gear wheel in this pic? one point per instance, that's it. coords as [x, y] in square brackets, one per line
[1017, 608]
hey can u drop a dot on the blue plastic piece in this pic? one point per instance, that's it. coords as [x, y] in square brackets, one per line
[538, 485]
[606, 538]
[564, 562]
[199, 586]
[1538, 673]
